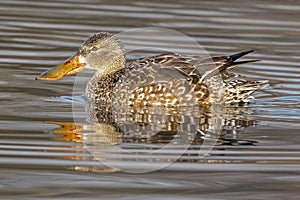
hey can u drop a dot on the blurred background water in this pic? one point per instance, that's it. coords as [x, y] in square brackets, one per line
[41, 159]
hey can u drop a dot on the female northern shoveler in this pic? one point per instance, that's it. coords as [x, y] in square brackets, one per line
[104, 53]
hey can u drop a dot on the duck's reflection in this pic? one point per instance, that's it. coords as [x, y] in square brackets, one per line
[133, 135]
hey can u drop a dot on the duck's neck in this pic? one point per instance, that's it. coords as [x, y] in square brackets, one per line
[112, 67]
[100, 86]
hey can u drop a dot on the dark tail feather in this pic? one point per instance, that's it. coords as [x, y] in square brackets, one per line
[229, 63]
[236, 56]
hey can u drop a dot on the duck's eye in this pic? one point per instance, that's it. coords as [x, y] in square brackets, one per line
[94, 49]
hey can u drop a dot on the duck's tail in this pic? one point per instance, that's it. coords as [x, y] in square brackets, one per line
[228, 62]
[239, 91]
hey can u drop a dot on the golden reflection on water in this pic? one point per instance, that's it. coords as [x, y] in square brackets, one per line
[110, 135]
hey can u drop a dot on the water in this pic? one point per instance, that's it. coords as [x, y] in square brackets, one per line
[41, 157]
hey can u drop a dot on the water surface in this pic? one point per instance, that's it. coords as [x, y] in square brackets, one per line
[258, 159]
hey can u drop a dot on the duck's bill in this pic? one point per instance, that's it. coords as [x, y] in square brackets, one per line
[69, 67]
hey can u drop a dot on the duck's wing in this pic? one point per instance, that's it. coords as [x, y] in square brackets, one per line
[193, 66]
[162, 80]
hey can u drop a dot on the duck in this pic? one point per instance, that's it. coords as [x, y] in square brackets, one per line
[168, 79]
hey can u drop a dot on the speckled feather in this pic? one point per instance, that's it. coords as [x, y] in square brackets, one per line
[173, 80]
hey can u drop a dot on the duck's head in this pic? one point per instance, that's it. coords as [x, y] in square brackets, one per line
[101, 52]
